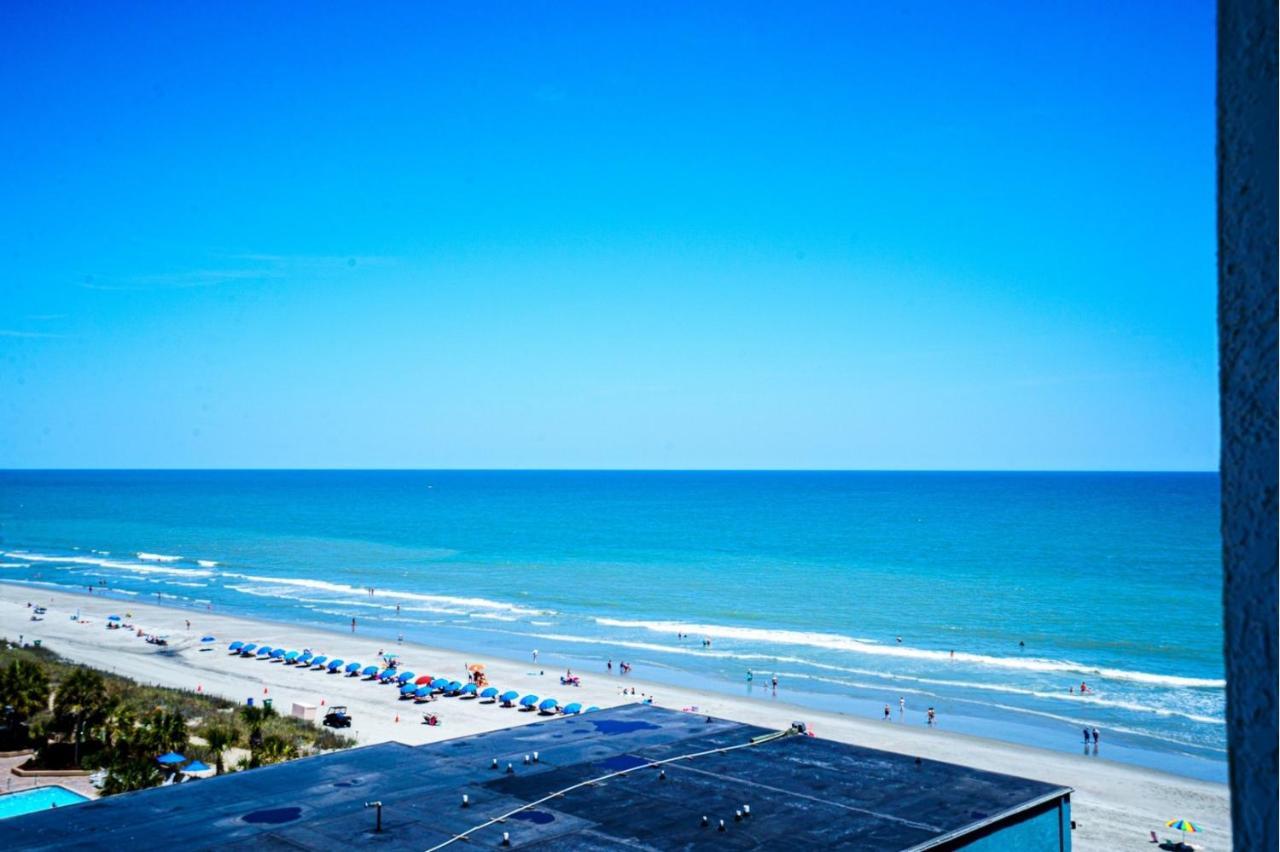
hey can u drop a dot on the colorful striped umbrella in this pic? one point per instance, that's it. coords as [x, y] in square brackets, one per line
[1183, 825]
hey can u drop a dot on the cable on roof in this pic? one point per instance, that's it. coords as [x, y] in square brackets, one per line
[754, 741]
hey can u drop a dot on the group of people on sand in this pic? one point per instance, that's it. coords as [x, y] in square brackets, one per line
[623, 667]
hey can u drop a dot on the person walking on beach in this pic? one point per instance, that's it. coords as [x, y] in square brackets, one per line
[1095, 739]
[1086, 737]
[609, 665]
[902, 706]
[775, 684]
[930, 719]
[886, 712]
[353, 625]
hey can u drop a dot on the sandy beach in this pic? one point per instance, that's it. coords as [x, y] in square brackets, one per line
[1115, 806]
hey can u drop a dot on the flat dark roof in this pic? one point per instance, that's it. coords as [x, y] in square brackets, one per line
[801, 791]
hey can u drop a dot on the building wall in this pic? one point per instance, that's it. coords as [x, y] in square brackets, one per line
[1247, 362]
[1049, 831]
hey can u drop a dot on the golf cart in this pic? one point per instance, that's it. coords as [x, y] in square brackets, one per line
[337, 717]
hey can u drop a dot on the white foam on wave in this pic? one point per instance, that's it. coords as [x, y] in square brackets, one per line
[15, 564]
[206, 563]
[836, 642]
[344, 589]
[157, 557]
[111, 564]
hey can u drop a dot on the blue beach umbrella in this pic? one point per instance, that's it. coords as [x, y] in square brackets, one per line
[265, 650]
[423, 691]
[305, 657]
[291, 657]
[319, 661]
[369, 671]
[468, 689]
[277, 653]
[195, 766]
[171, 759]
[352, 668]
[335, 665]
[247, 650]
[529, 700]
[591, 709]
[549, 705]
[440, 683]
[387, 674]
[113, 618]
[508, 696]
[405, 677]
[235, 646]
[207, 639]
[489, 692]
[408, 689]
[453, 687]
[570, 709]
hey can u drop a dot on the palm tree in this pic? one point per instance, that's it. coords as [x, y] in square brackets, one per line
[167, 731]
[80, 702]
[220, 738]
[24, 691]
[120, 724]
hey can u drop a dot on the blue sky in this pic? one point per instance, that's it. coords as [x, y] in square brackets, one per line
[738, 235]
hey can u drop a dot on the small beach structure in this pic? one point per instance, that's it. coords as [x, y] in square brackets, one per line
[548, 705]
[571, 709]
[247, 650]
[422, 693]
[369, 672]
[407, 690]
[468, 690]
[290, 658]
[264, 652]
[304, 659]
[440, 684]
[207, 639]
[529, 702]
[404, 677]
[235, 646]
[489, 694]
[170, 759]
[352, 669]
[1186, 826]
[424, 679]
[278, 653]
[336, 665]
[319, 662]
[508, 698]
[387, 675]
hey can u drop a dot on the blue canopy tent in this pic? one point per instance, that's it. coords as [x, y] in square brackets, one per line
[405, 677]
[489, 692]
[208, 639]
[467, 689]
[440, 683]
[319, 661]
[234, 647]
[291, 657]
[548, 706]
[509, 696]
[248, 649]
[408, 689]
[264, 651]
[353, 668]
[170, 759]
[277, 653]
[195, 766]
[570, 709]
[336, 665]
[421, 692]
[529, 700]
[305, 658]
[369, 671]
[453, 687]
[386, 675]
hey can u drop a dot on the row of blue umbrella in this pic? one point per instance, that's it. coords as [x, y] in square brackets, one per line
[407, 687]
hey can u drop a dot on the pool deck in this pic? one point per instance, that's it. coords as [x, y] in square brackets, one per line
[10, 783]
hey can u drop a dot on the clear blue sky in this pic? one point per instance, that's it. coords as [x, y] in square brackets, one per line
[919, 235]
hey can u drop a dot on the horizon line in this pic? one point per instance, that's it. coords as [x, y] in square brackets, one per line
[594, 470]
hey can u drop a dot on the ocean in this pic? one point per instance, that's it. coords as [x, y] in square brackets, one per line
[988, 596]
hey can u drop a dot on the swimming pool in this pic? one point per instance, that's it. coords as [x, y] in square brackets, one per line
[39, 799]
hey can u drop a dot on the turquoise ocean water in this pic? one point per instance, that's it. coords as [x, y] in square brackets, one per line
[1111, 579]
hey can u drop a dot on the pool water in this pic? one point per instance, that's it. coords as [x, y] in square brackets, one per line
[39, 799]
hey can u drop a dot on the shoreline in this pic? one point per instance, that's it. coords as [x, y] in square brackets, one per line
[1115, 804]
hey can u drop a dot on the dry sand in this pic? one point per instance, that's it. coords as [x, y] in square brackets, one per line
[1115, 805]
